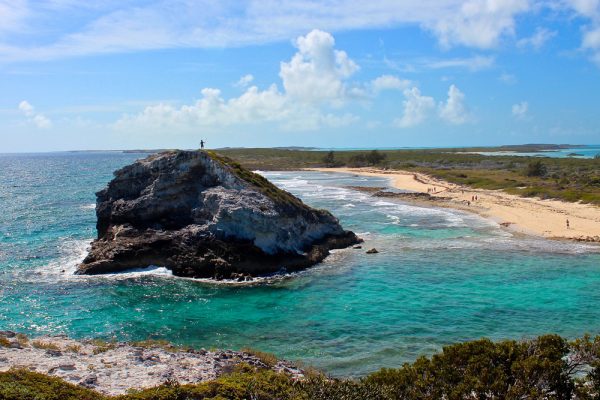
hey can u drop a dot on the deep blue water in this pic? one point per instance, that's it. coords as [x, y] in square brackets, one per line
[441, 276]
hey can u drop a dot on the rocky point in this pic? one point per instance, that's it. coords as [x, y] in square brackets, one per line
[202, 215]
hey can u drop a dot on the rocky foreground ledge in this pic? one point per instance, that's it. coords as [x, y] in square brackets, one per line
[202, 215]
[113, 368]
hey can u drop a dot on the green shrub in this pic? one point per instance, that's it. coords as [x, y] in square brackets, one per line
[26, 385]
[329, 159]
[536, 168]
[38, 344]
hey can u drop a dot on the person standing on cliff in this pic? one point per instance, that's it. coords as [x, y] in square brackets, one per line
[201, 144]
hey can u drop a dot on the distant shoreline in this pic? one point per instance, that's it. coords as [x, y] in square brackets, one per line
[532, 216]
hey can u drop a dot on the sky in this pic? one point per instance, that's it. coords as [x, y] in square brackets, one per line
[142, 74]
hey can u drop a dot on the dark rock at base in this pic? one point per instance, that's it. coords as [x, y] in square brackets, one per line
[90, 381]
[372, 251]
[204, 216]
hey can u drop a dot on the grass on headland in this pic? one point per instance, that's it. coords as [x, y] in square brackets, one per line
[38, 344]
[568, 179]
[549, 367]
[267, 358]
[260, 182]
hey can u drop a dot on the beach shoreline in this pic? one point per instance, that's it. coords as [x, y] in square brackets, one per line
[523, 215]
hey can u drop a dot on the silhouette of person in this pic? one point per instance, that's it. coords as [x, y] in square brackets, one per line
[567, 224]
[201, 144]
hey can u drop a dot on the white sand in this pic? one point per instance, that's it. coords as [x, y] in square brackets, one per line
[534, 216]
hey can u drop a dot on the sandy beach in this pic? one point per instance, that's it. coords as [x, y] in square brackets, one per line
[533, 216]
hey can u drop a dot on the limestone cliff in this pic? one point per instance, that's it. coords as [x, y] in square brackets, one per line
[203, 215]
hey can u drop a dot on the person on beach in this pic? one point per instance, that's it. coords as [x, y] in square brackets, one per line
[568, 226]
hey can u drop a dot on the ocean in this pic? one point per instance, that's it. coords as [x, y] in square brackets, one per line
[441, 276]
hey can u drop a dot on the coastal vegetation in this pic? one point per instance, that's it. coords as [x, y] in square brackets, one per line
[569, 179]
[260, 182]
[548, 367]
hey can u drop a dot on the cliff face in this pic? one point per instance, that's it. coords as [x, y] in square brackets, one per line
[202, 215]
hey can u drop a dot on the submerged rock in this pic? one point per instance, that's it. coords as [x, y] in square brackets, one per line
[202, 215]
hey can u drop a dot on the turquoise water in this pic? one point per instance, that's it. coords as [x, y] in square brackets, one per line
[589, 151]
[585, 151]
[442, 276]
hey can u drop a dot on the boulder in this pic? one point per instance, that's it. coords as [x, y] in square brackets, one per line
[202, 215]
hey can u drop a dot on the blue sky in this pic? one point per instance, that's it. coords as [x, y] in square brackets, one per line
[163, 74]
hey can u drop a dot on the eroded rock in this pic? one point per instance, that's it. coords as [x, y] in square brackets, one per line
[204, 216]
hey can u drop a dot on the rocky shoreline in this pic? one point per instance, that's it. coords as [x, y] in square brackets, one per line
[115, 367]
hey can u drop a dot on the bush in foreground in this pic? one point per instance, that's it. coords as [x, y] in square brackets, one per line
[548, 367]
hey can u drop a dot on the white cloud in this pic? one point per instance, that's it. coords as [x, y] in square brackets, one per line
[212, 110]
[416, 108]
[475, 63]
[478, 23]
[587, 8]
[509, 79]
[245, 80]
[13, 14]
[454, 109]
[520, 110]
[313, 79]
[590, 41]
[316, 72]
[111, 26]
[389, 82]
[537, 40]
[37, 119]
[26, 108]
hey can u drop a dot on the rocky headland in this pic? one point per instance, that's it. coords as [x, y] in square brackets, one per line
[202, 215]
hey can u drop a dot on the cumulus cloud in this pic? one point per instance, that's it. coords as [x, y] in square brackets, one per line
[479, 23]
[520, 110]
[245, 80]
[312, 80]
[316, 72]
[37, 119]
[454, 109]
[389, 82]
[537, 40]
[416, 108]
